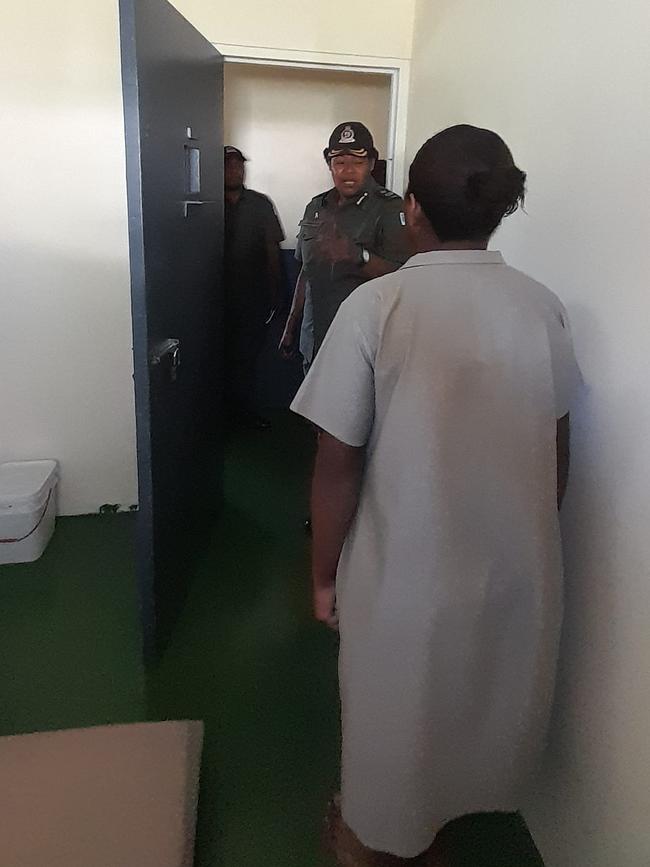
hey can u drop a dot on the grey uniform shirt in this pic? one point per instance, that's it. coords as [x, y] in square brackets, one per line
[374, 220]
[451, 372]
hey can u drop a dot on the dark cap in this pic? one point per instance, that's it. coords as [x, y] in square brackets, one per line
[230, 151]
[353, 138]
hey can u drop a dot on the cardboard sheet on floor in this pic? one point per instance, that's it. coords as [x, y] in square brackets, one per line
[116, 795]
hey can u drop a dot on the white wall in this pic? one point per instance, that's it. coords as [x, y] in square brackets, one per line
[568, 86]
[381, 28]
[65, 327]
[281, 118]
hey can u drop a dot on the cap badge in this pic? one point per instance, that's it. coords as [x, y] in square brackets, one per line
[347, 136]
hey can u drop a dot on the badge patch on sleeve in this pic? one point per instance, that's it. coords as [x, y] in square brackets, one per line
[402, 218]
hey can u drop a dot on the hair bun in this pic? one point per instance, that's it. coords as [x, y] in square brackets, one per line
[501, 185]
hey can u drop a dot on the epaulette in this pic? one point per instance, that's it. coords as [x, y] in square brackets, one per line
[386, 194]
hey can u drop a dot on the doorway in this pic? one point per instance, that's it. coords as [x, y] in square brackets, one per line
[281, 117]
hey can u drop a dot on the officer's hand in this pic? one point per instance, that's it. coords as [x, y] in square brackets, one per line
[335, 247]
[288, 344]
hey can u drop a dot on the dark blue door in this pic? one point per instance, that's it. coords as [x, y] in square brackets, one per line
[173, 98]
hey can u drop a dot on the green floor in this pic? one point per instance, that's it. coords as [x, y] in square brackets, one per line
[69, 637]
[248, 660]
[245, 657]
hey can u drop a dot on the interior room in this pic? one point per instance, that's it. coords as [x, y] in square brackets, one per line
[566, 86]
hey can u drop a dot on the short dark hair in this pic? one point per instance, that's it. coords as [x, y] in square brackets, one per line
[466, 182]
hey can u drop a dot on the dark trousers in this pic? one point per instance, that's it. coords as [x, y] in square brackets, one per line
[245, 337]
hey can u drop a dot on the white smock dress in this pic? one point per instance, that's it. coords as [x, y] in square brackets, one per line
[452, 373]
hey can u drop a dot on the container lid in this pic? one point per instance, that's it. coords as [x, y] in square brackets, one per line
[21, 481]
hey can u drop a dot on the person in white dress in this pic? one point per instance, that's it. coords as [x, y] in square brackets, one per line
[443, 393]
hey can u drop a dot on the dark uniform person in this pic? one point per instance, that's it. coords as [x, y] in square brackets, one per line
[252, 277]
[348, 235]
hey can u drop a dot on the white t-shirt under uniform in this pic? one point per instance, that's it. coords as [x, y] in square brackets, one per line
[452, 372]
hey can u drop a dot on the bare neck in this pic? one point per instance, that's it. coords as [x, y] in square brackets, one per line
[428, 242]
[233, 196]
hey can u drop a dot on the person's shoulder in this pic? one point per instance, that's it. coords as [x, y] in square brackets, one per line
[259, 198]
[388, 203]
[375, 294]
[317, 201]
[383, 194]
[314, 205]
[546, 300]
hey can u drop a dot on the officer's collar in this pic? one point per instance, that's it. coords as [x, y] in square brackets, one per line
[330, 196]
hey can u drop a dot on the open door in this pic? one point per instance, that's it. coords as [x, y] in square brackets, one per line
[173, 97]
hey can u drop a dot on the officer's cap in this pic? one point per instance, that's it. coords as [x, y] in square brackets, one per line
[230, 151]
[353, 138]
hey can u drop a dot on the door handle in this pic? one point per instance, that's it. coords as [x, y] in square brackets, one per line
[165, 348]
[171, 349]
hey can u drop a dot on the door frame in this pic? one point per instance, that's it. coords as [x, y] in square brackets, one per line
[398, 69]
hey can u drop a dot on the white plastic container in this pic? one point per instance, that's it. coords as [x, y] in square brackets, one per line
[27, 509]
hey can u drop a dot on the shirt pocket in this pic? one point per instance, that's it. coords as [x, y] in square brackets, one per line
[307, 237]
[366, 233]
[308, 228]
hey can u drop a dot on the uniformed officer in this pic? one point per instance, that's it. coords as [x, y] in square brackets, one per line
[252, 275]
[349, 234]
